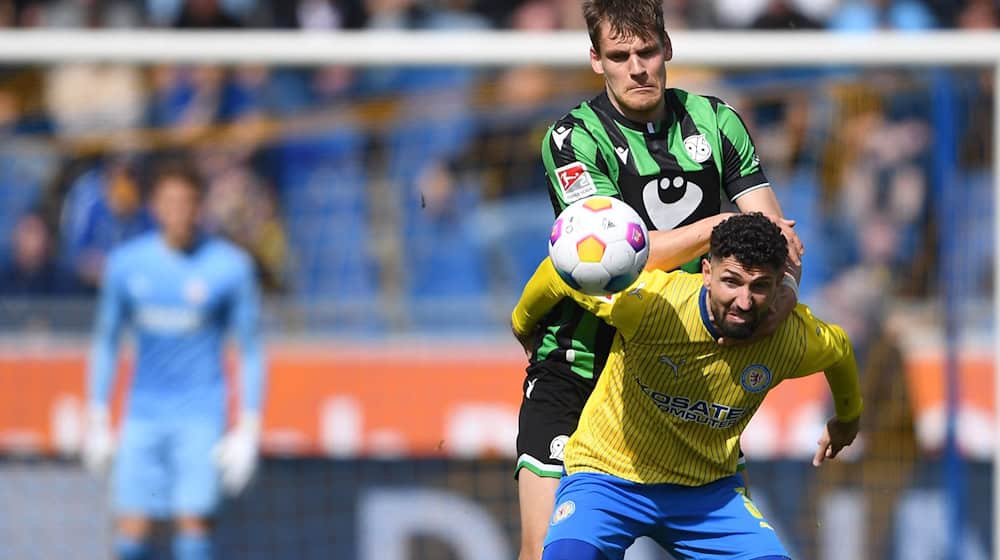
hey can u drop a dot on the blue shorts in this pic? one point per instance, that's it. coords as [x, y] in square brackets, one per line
[713, 521]
[165, 468]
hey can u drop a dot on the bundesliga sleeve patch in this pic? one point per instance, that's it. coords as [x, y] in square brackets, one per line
[575, 182]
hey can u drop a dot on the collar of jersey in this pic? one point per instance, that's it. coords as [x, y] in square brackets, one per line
[603, 102]
[705, 320]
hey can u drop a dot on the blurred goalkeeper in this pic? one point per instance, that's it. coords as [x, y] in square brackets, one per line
[656, 450]
[179, 290]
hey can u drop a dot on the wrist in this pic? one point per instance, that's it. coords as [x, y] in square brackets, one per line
[249, 422]
[853, 415]
[789, 281]
[98, 413]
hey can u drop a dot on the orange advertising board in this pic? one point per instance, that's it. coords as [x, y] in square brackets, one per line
[406, 401]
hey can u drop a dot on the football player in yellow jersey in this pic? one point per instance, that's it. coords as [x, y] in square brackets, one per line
[656, 448]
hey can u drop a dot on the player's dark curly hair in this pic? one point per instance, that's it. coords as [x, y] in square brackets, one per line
[752, 238]
[626, 19]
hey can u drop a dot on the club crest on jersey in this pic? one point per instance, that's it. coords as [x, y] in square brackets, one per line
[557, 446]
[195, 291]
[755, 378]
[575, 182]
[563, 511]
[698, 148]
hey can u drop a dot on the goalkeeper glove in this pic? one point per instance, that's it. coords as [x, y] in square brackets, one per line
[98, 442]
[236, 453]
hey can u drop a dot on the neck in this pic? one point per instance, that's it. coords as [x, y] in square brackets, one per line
[179, 241]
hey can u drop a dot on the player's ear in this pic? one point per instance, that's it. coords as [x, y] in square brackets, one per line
[595, 61]
[706, 272]
[668, 47]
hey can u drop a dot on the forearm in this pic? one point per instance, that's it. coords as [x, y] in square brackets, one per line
[672, 248]
[252, 377]
[537, 299]
[101, 377]
[842, 378]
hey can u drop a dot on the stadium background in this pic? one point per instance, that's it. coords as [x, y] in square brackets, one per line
[395, 212]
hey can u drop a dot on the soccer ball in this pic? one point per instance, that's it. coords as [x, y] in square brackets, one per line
[599, 245]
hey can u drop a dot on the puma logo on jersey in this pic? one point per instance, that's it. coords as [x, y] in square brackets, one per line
[664, 359]
[622, 154]
[668, 215]
[531, 387]
[560, 134]
[636, 291]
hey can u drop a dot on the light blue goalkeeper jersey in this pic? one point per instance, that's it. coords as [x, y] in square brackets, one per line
[179, 307]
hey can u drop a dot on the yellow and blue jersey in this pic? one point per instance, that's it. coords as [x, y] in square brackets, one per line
[671, 402]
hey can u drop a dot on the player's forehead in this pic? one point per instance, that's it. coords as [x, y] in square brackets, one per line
[731, 267]
[612, 40]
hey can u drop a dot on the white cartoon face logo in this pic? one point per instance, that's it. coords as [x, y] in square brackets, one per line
[563, 511]
[557, 447]
[686, 195]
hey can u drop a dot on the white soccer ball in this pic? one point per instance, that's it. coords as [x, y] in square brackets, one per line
[599, 245]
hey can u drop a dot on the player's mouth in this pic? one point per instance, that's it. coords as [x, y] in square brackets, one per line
[736, 317]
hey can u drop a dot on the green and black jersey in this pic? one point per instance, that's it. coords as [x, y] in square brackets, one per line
[673, 173]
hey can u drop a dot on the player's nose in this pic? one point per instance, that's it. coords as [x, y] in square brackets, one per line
[635, 66]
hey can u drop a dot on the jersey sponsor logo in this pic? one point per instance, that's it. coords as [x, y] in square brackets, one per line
[168, 320]
[686, 197]
[575, 182]
[563, 511]
[557, 446]
[698, 148]
[622, 154]
[531, 387]
[714, 415]
[755, 378]
[560, 134]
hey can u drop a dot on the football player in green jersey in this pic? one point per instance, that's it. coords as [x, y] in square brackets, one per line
[670, 154]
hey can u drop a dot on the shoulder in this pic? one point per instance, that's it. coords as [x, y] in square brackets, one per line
[134, 248]
[675, 285]
[583, 117]
[694, 102]
[814, 330]
[227, 251]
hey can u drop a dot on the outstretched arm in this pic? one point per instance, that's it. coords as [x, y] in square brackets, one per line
[843, 427]
[671, 249]
[829, 350]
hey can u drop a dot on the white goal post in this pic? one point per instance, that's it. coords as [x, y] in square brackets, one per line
[385, 48]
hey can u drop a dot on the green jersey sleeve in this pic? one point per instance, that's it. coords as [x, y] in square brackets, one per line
[574, 165]
[741, 171]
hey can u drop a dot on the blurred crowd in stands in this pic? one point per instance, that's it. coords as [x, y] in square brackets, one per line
[561, 14]
[393, 198]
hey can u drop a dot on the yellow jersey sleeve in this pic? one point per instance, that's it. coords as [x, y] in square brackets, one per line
[828, 349]
[545, 289]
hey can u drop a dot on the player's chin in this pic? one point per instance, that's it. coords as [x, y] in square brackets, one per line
[642, 100]
[737, 330]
